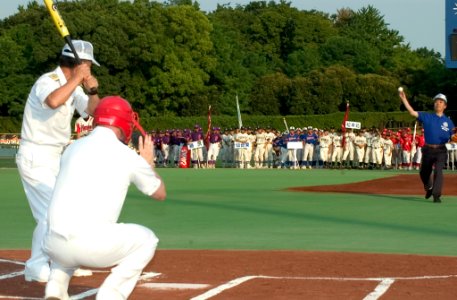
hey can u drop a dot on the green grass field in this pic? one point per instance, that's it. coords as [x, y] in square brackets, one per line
[249, 209]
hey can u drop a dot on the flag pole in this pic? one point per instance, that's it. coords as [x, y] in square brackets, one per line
[240, 122]
[343, 125]
[285, 124]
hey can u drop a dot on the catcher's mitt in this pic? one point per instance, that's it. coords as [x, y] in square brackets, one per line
[454, 138]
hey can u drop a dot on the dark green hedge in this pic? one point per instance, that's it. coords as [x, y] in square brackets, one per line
[376, 119]
[380, 120]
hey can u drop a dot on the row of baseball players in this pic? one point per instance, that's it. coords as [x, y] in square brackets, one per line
[308, 148]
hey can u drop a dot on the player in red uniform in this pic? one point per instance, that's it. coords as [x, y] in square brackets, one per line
[406, 142]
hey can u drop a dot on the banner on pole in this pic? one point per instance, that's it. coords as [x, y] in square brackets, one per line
[196, 145]
[353, 125]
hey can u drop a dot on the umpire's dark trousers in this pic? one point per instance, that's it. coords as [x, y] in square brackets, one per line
[433, 155]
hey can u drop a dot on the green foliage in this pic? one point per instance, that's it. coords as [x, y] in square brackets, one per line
[174, 60]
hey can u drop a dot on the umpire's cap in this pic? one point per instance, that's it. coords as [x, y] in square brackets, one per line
[440, 96]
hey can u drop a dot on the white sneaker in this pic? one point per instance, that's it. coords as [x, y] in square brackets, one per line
[82, 273]
[54, 291]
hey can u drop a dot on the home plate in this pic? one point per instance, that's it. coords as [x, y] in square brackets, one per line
[174, 286]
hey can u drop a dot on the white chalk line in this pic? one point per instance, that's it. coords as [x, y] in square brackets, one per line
[380, 289]
[12, 261]
[91, 292]
[174, 286]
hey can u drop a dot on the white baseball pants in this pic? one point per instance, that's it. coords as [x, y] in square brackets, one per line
[128, 247]
[38, 167]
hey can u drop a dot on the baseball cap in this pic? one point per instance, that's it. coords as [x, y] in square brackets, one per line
[440, 96]
[84, 49]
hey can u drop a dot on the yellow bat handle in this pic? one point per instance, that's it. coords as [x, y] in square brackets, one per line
[58, 21]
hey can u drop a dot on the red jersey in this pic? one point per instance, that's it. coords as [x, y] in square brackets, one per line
[420, 140]
[406, 143]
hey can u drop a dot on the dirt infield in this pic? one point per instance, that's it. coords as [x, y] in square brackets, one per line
[202, 275]
[395, 185]
[214, 274]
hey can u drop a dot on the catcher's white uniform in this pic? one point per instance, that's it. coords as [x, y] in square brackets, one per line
[44, 134]
[90, 191]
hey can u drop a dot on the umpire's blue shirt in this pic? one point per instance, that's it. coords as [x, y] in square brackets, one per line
[437, 130]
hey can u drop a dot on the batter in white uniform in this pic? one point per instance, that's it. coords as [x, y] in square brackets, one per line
[84, 210]
[46, 130]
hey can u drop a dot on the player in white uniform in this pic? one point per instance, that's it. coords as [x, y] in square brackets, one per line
[85, 206]
[243, 158]
[348, 148]
[259, 154]
[360, 142]
[250, 149]
[368, 155]
[270, 137]
[324, 142]
[376, 150]
[46, 130]
[388, 147]
[337, 151]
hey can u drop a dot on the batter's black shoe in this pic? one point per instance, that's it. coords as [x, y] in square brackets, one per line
[436, 199]
[428, 193]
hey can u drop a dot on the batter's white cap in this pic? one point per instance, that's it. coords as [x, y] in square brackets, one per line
[84, 49]
[440, 96]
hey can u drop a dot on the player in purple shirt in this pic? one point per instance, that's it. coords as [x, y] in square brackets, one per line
[215, 140]
[197, 152]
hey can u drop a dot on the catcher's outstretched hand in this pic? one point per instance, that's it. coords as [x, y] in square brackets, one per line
[146, 148]
[454, 138]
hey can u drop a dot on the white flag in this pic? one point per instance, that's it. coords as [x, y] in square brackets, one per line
[240, 123]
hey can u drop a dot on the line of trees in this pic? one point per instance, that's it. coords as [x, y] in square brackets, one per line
[174, 59]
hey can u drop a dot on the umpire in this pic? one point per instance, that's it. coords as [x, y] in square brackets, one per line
[437, 131]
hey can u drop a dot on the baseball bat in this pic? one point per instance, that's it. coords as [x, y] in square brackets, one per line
[61, 27]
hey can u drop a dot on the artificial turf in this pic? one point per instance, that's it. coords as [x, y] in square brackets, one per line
[250, 209]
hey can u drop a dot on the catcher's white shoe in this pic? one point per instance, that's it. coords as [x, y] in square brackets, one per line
[82, 273]
[55, 291]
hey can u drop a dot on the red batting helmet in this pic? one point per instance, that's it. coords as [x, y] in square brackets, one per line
[116, 111]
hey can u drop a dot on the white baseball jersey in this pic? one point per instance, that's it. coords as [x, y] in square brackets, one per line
[43, 125]
[388, 145]
[242, 137]
[84, 125]
[337, 140]
[260, 138]
[325, 141]
[360, 140]
[95, 174]
[376, 142]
